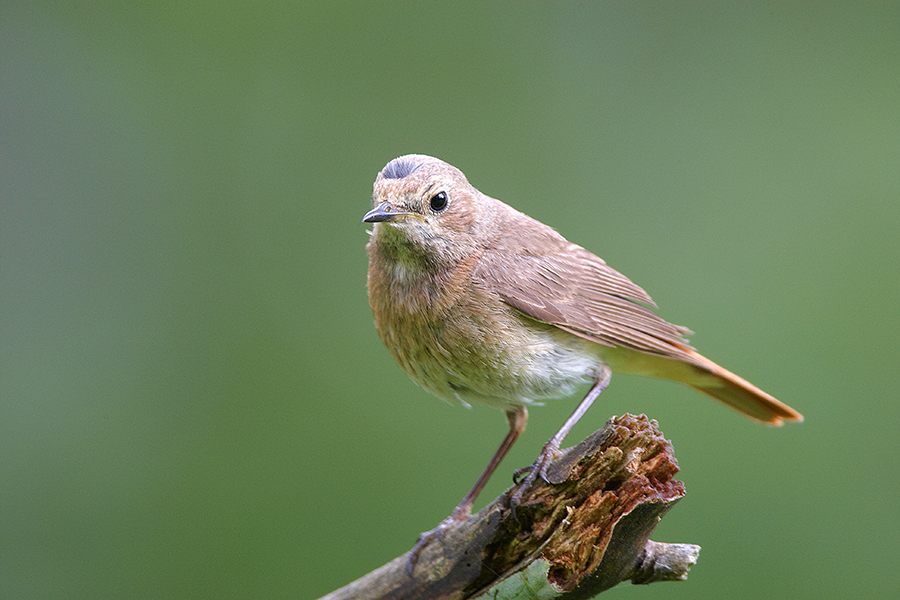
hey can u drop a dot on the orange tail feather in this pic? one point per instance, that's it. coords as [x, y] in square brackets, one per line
[743, 396]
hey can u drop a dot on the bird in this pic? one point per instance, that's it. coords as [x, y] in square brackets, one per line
[478, 302]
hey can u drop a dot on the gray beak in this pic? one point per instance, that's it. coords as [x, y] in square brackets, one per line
[383, 212]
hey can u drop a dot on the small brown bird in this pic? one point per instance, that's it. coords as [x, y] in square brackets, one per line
[479, 302]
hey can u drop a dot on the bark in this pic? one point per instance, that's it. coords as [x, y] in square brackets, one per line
[580, 533]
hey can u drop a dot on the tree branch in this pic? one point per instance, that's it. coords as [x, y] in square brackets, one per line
[584, 531]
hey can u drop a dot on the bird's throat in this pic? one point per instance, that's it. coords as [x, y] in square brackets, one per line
[403, 257]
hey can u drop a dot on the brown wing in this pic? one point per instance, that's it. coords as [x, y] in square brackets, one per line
[540, 273]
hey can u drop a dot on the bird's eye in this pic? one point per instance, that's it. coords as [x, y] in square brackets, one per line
[439, 202]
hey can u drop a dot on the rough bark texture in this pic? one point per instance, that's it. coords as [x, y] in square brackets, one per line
[587, 528]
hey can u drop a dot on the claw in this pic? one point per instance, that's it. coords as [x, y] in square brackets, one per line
[435, 534]
[413, 556]
[517, 474]
[538, 469]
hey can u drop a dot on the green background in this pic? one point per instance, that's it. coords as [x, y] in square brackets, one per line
[194, 402]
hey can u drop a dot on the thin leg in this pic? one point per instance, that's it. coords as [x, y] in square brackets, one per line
[593, 394]
[551, 448]
[516, 418]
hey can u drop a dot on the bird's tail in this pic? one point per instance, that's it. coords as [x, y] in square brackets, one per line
[740, 394]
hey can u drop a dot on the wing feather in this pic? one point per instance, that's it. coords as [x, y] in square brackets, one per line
[544, 276]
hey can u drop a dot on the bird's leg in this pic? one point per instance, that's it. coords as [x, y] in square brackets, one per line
[516, 418]
[551, 448]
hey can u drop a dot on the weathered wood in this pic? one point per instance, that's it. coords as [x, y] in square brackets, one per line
[584, 531]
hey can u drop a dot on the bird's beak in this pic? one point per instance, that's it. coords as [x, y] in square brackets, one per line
[384, 212]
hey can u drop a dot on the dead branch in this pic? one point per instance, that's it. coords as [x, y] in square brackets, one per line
[584, 531]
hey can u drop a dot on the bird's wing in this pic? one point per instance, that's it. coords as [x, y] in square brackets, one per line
[538, 272]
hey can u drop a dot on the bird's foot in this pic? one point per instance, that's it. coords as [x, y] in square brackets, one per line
[458, 515]
[550, 453]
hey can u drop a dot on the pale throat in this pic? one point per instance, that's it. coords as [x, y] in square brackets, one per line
[406, 259]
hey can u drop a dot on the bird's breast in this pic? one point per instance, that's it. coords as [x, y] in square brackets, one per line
[461, 342]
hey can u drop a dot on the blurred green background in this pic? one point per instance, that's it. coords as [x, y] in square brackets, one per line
[194, 402]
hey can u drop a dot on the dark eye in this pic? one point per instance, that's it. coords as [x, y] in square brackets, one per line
[439, 202]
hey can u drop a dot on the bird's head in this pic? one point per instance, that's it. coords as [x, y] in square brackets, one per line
[424, 211]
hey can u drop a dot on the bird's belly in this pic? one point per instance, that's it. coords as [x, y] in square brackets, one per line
[499, 364]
